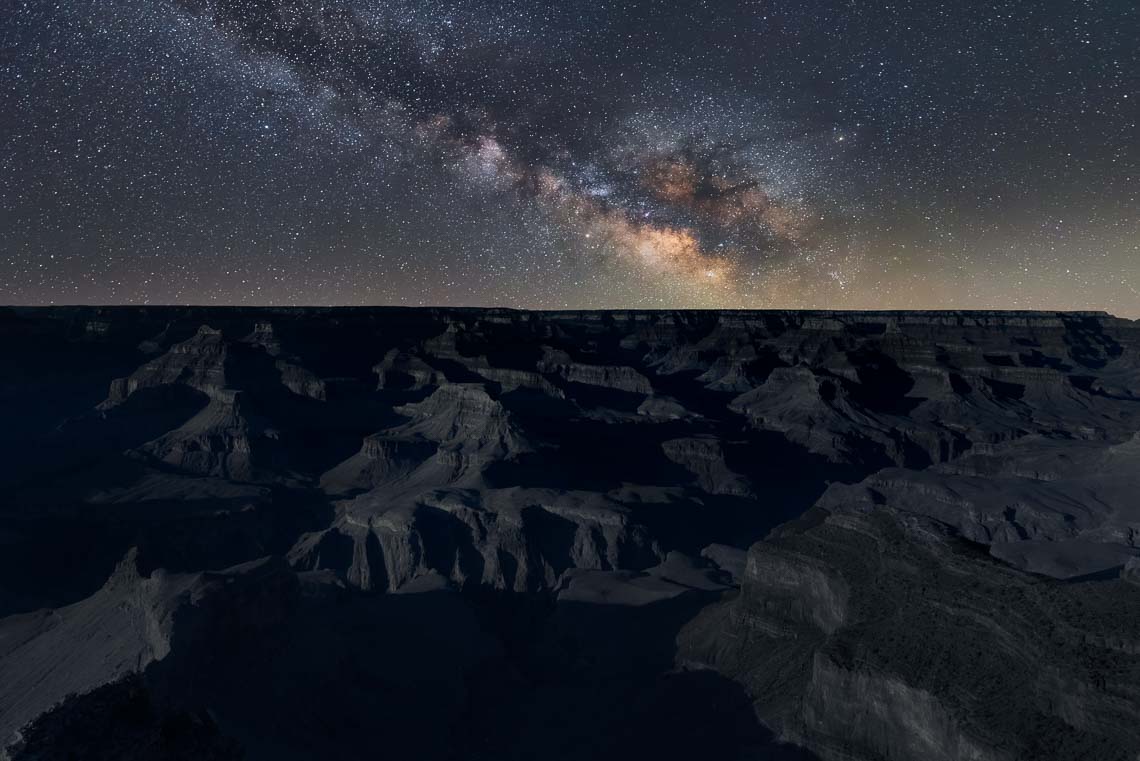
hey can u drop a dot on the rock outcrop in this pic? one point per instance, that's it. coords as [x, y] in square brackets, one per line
[133, 621]
[878, 634]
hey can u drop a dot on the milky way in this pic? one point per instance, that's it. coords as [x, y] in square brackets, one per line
[587, 154]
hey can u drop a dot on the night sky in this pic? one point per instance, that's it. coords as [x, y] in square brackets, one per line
[787, 153]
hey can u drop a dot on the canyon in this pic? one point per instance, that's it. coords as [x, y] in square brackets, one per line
[497, 534]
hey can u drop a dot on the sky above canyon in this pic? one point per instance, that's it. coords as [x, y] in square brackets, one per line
[779, 154]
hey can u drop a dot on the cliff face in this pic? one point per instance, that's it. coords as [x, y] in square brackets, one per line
[930, 516]
[879, 634]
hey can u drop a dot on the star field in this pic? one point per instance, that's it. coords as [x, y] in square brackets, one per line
[548, 154]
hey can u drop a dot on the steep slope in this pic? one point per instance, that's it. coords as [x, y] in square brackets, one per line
[877, 634]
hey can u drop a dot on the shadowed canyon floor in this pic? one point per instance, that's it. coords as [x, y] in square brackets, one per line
[493, 534]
